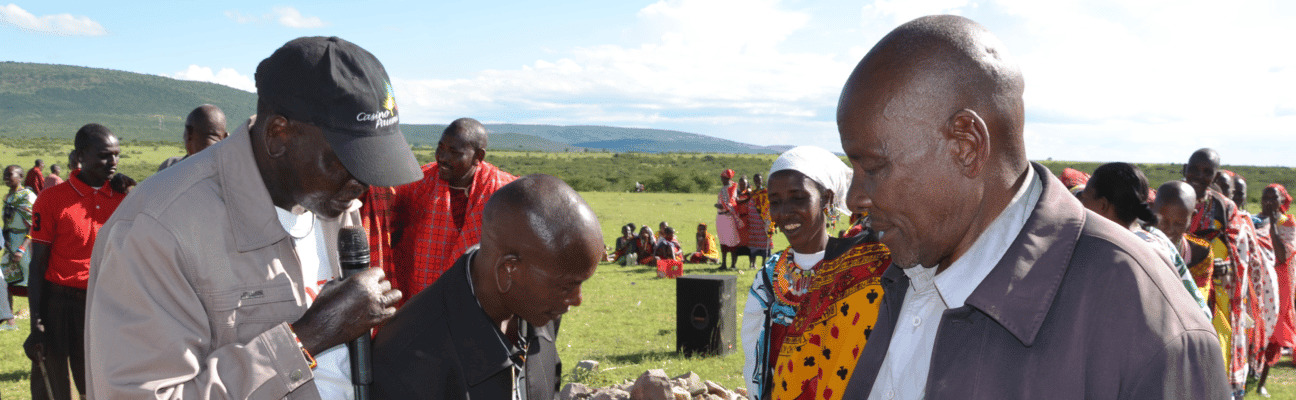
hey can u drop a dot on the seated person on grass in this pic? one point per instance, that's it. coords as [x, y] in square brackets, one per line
[644, 246]
[667, 248]
[486, 328]
[625, 246]
[708, 251]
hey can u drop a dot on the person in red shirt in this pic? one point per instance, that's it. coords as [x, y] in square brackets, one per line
[55, 176]
[65, 221]
[35, 178]
[434, 220]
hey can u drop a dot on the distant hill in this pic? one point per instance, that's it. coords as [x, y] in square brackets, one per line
[47, 100]
[44, 100]
[608, 138]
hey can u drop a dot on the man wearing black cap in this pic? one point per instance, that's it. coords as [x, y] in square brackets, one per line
[216, 278]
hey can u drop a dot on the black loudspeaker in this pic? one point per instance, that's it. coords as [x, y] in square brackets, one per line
[706, 314]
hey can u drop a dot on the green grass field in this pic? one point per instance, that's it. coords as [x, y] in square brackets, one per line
[627, 321]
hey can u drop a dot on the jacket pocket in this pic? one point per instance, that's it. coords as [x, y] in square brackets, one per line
[246, 312]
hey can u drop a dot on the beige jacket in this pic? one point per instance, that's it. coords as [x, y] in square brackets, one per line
[193, 282]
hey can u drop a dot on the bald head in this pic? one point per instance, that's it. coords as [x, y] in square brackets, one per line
[1205, 155]
[941, 64]
[470, 130]
[1202, 170]
[204, 127]
[932, 121]
[1176, 202]
[539, 211]
[540, 241]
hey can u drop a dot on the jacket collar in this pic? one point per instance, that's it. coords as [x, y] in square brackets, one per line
[247, 202]
[1021, 288]
[482, 353]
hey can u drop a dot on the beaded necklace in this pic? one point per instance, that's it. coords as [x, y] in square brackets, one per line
[790, 292]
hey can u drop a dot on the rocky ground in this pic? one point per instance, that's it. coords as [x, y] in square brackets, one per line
[655, 385]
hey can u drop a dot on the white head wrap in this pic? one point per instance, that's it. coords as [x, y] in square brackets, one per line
[821, 166]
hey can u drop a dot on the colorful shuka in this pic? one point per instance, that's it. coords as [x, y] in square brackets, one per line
[35, 180]
[17, 225]
[1262, 289]
[772, 305]
[376, 216]
[1284, 234]
[707, 250]
[775, 330]
[823, 343]
[1218, 222]
[645, 250]
[427, 240]
[756, 234]
[1201, 263]
[1160, 244]
[623, 246]
[727, 219]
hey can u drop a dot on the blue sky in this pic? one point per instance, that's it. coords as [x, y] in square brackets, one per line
[1107, 80]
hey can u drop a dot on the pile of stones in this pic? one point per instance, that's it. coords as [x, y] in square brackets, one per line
[655, 385]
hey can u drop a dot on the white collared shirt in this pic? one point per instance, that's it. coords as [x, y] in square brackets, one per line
[908, 361]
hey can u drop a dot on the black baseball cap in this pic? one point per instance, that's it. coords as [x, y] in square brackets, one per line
[342, 89]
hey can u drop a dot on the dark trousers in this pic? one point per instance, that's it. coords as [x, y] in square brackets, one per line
[64, 319]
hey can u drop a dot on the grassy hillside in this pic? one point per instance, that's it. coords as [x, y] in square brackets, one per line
[43, 100]
[46, 100]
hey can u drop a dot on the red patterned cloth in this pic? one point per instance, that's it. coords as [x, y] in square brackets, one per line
[35, 180]
[1215, 222]
[727, 219]
[423, 229]
[1284, 334]
[376, 216]
[1072, 178]
[755, 213]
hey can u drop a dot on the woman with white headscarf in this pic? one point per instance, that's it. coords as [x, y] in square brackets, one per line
[812, 306]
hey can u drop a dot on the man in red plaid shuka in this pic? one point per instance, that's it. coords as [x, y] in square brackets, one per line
[436, 219]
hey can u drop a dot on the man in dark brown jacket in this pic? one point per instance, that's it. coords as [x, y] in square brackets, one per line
[1002, 286]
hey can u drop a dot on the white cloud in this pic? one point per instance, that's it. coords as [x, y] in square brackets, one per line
[290, 17]
[226, 76]
[286, 16]
[240, 17]
[54, 24]
[712, 67]
[1107, 80]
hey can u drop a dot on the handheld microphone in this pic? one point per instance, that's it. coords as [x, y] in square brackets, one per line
[353, 254]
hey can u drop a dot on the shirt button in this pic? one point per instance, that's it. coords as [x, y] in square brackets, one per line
[890, 394]
[917, 321]
[295, 375]
[96, 207]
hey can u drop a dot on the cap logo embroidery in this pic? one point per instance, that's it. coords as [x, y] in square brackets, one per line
[385, 117]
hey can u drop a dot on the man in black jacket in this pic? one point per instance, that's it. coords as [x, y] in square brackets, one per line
[486, 329]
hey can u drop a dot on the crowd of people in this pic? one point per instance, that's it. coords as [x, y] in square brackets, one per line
[967, 271]
[1236, 265]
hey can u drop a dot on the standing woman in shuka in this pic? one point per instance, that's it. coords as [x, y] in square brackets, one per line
[1281, 228]
[1119, 192]
[727, 221]
[16, 223]
[820, 295]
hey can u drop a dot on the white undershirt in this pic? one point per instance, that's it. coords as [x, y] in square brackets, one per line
[333, 373]
[908, 361]
[806, 261]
